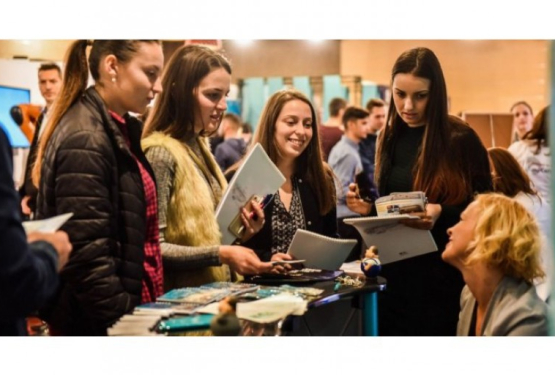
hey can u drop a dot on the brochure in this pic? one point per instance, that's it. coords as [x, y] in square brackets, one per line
[50, 225]
[320, 252]
[257, 176]
[395, 241]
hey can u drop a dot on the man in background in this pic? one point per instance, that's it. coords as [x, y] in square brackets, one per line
[50, 83]
[367, 147]
[232, 149]
[345, 161]
[332, 130]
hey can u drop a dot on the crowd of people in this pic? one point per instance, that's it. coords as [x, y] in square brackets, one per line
[143, 193]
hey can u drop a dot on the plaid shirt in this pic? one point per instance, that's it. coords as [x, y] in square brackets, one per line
[153, 281]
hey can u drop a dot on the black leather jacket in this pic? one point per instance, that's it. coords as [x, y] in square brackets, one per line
[89, 170]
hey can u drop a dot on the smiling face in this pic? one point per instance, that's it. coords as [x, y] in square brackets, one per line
[461, 236]
[522, 119]
[293, 130]
[410, 95]
[211, 95]
[138, 80]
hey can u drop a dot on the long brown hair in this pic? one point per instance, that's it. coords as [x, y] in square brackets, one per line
[76, 78]
[177, 105]
[433, 171]
[538, 132]
[509, 177]
[309, 165]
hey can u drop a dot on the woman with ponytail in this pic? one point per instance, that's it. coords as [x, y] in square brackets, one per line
[90, 163]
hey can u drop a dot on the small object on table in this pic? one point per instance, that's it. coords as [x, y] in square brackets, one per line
[226, 322]
[347, 280]
[371, 265]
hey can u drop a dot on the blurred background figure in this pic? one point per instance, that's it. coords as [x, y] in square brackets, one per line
[376, 121]
[496, 247]
[247, 133]
[232, 149]
[510, 179]
[523, 116]
[533, 154]
[332, 130]
[50, 83]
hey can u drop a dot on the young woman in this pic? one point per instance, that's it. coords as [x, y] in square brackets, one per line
[523, 116]
[533, 154]
[422, 148]
[189, 181]
[288, 132]
[90, 163]
[510, 179]
[496, 248]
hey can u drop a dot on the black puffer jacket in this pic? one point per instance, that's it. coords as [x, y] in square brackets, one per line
[88, 169]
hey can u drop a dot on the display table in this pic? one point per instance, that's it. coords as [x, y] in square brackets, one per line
[346, 310]
[339, 310]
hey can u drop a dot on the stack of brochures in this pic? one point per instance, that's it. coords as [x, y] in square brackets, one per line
[401, 203]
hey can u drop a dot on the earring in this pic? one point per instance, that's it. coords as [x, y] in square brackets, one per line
[113, 79]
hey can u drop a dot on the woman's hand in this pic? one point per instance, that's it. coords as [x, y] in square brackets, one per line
[253, 221]
[426, 219]
[355, 203]
[243, 260]
[281, 268]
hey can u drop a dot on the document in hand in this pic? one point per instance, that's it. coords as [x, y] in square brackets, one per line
[401, 203]
[320, 252]
[50, 225]
[395, 241]
[258, 175]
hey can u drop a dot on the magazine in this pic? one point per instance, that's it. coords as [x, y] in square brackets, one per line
[401, 203]
[395, 241]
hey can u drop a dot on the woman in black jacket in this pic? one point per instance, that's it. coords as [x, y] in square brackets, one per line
[288, 132]
[90, 163]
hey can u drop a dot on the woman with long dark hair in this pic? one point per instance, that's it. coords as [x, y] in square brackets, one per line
[288, 132]
[423, 148]
[196, 82]
[90, 163]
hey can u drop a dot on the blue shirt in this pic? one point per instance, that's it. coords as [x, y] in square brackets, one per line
[345, 161]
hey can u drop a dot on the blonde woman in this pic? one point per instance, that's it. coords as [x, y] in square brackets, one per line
[496, 247]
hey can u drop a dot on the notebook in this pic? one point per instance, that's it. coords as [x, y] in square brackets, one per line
[395, 241]
[320, 252]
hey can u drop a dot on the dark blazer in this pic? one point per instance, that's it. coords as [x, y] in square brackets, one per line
[28, 273]
[326, 224]
[89, 170]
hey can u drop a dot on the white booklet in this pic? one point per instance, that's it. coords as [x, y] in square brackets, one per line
[320, 252]
[258, 175]
[50, 225]
[395, 241]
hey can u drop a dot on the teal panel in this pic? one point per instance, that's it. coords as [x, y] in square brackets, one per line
[274, 84]
[302, 84]
[369, 91]
[253, 98]
[332, 89]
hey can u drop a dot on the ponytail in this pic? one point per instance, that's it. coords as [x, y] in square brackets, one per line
[75, 81]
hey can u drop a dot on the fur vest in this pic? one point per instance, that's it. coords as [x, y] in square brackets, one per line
[191, 219]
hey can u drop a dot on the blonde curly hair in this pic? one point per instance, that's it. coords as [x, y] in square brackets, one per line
[506, 236]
